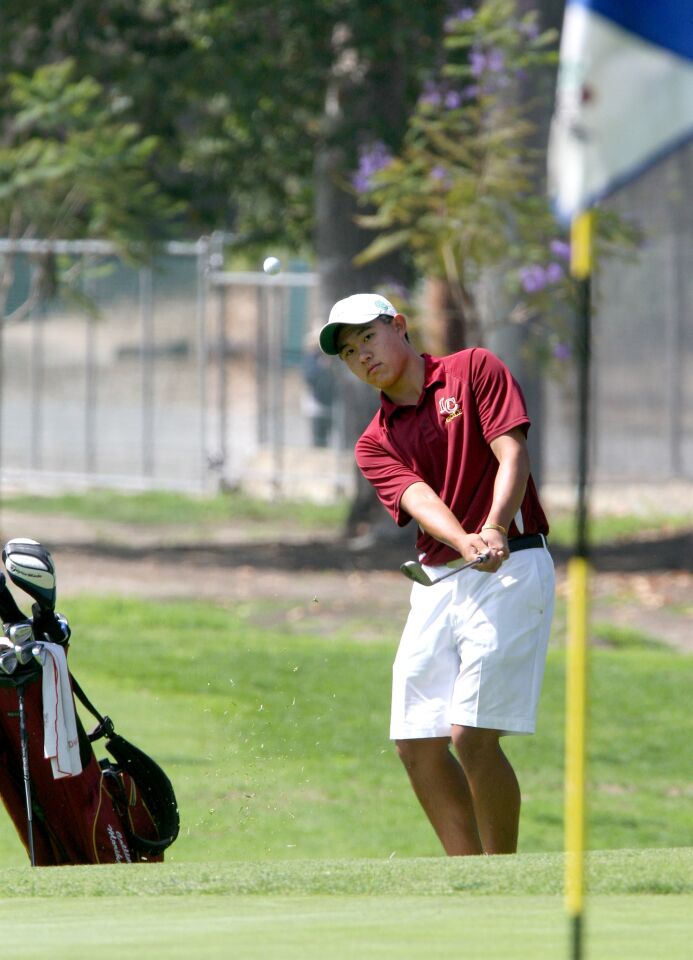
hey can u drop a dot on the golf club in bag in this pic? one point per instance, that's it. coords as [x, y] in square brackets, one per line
[117, 810]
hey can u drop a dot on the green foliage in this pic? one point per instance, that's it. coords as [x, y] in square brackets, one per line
[464, 195]
[234, 92]
[72, 167]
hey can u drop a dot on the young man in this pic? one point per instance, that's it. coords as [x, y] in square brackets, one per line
[447, 449]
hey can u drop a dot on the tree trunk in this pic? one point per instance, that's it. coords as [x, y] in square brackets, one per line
[339, 239]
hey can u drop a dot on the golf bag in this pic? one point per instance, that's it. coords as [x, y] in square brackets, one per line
[120, 809]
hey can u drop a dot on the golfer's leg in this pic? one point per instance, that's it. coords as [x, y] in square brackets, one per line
[442, 790]
[494, 787]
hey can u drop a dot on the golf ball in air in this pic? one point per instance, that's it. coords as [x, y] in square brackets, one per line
[272, 265]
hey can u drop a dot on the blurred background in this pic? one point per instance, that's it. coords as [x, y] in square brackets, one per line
[170, 431]
[153, 154]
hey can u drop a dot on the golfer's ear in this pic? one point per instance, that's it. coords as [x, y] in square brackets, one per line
[400, 322]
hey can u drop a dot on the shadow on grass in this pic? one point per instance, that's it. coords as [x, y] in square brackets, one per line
[672, 552]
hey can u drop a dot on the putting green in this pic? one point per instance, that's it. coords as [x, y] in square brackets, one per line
[339, 927]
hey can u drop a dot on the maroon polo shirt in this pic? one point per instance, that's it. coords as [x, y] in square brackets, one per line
[468, 399]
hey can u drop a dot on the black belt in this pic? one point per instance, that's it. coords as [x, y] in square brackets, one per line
[526, 542]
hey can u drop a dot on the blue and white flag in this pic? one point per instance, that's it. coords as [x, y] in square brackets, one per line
[624, 96]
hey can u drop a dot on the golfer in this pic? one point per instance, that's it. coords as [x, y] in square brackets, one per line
[448, 449]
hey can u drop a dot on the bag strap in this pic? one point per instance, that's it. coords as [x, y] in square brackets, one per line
[105, 727]
[151, 780]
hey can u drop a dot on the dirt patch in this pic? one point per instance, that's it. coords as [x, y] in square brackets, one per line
[643, 585]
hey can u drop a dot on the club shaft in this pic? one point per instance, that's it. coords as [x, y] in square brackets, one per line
[24, 744]
[417, 573]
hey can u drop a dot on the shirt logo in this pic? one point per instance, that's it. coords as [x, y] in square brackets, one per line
[449, 408]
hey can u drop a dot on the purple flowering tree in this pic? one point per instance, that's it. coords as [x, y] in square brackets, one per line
[461, 197]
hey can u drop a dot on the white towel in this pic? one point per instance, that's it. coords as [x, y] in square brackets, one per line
[60, 743]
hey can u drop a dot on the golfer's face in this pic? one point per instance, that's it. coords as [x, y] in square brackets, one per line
[375, 352]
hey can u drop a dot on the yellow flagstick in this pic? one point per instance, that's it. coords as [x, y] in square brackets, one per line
[578, 594]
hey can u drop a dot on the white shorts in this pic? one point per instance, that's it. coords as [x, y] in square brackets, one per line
[473, 650]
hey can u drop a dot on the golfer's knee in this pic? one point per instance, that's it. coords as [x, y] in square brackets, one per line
[405, 752]
[420, 754]
[475, 746]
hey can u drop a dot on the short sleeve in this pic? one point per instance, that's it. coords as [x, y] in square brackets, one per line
[498, 396]
[389, 475]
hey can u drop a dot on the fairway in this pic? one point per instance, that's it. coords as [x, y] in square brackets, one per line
[311, 928]
[482, 908]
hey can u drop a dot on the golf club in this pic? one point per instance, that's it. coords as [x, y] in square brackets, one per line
[24, 742]
[22, 636]
[30, 566]
[8, 656]
[414, 571]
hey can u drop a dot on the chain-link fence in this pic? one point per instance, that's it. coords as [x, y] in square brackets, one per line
[642, 386]
[180, 375]
[173, 375]
[103, 379]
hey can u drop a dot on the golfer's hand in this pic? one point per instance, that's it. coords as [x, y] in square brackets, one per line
[497, 549]
[471, 546]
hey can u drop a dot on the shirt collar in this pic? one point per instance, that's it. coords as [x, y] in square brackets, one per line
[433, 373]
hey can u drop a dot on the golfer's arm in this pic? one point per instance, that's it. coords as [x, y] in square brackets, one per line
[510, 449]
[424, 505]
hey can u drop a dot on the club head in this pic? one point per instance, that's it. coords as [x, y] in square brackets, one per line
[22, 636]
[414, 571]
[25, 652]
[30, 566]
[20, 633]
[8, 657]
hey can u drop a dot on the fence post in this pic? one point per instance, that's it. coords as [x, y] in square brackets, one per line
[147, 366]
[276, 371]
[223, 383]
[36, 377]
[202, 278]
[91, 380]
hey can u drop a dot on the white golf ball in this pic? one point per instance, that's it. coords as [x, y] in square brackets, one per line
[272, 265]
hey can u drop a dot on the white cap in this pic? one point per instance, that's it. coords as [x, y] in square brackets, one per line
[354, 311]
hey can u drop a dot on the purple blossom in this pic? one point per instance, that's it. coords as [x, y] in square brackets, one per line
[453, 100]
[562, 351]
[459, 16]
[373, 157]
[495, 61]
[529, 29]
[441, 175]
[561, 249]
[536, 277]
[554, 273]
[532, 278]
[477, 62]
[492, 61]
[431, 95]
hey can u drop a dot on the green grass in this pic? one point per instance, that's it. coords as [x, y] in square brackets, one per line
[164, 507]
[300, 837]
[482, 909]
[609, 528]
[276, 739]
